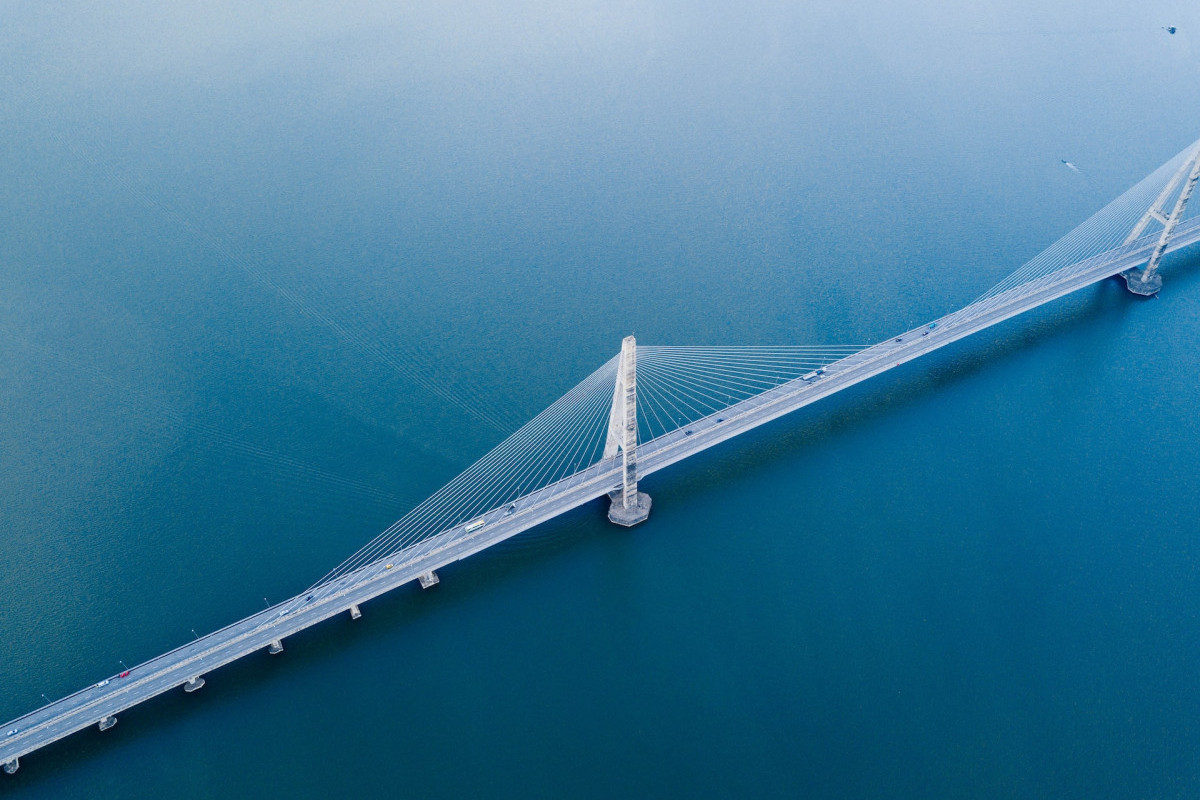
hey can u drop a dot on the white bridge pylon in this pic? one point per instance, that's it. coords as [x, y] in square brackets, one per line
[1146, 281]
[629, 506]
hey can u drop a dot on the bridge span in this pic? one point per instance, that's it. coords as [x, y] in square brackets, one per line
[624, 462]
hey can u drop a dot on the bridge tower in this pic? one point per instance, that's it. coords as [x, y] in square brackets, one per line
[1146, 281]
[629, 506]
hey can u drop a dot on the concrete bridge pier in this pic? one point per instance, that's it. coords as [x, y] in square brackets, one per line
[193, 684]
[11, 766]
[628, 506]
[276, 647]
[354, 612]
[428, 579]
[628, 516]
[107, 722]
[1138, 282]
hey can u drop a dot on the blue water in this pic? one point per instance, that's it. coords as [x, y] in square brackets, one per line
[238, 248]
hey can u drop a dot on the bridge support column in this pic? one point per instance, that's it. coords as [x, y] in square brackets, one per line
[1146, 281]
[628, 506]
[11, 766]
[276, 647]
[107, 722]
[193, 684]
[354, 612]
[428, 579]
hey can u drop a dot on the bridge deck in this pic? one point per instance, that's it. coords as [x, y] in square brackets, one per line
[175, 668]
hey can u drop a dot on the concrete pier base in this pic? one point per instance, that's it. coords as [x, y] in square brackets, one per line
[1135, 282]
[11, 766]
[193, 684]
[354, 612]
[107, 722]
[276, 647]
[620, 515]
[428, 579]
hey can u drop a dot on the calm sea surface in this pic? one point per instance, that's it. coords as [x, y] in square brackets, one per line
[246, 257]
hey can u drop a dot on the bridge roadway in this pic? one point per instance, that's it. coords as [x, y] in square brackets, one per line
[176, 668]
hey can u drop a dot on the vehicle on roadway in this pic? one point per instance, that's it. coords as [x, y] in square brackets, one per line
[13, 732]
[812, 376]
[124, 674]
[102, 684]
[474, 525]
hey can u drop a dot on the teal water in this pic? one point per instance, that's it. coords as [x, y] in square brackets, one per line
[246, 256]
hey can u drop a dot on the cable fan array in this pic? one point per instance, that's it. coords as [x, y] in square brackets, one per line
[676, 386]
[559, 442]
[679, 385]
[1103, 231]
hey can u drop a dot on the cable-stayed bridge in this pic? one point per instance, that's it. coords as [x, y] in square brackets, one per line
[647, 408]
